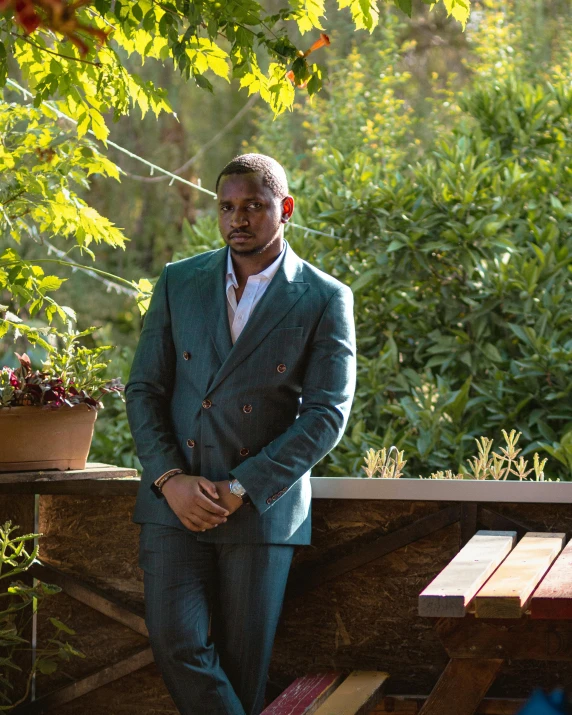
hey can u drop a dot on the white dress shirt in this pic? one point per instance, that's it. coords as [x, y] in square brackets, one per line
[238, 314]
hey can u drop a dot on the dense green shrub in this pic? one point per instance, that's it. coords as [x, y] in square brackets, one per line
[460, 258]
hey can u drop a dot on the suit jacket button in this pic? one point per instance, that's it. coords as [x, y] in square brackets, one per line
[190, 443]
[186, 355]
[247, 409]
[281, 367]
[244, 452]
[207, 404]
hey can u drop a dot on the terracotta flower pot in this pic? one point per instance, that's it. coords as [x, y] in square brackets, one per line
[38, 438]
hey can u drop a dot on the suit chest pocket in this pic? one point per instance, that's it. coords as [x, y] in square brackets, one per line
[280, 352]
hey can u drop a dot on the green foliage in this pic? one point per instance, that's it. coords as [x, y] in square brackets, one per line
[80, 367]
[112, 442]
[71, 375]
[241, 40]
[15, 614]
[484, 465]
[498, 466]
[43, 166]
[460, 261]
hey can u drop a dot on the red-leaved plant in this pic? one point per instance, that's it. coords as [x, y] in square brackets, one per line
[70, 376]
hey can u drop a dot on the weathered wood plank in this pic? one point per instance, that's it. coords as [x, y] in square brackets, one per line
[309, 576]
[305, 695]
[96, 479]
[48, 703]
[507, 593]
[513, 639]
[461, 687]
[454, 588]
[553, 598]
[357, 695]
[93, 470]
[90, 595]
[122, 486]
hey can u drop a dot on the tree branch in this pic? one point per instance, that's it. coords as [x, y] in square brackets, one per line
[213, 140]
[52, 52]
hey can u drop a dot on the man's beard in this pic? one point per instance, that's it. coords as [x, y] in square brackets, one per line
[251, 252]
[255, 251]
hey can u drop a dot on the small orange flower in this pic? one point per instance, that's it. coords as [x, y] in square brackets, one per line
[290, 76]
[324, 41]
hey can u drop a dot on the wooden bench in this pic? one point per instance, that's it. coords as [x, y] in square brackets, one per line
[331, 694]
[498, 600]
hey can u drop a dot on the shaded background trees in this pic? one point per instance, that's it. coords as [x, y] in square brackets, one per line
[436, 163]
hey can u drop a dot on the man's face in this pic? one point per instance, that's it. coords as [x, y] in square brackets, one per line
[249, 214]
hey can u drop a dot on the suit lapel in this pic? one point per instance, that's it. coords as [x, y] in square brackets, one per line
[284, 291]
[211, 287]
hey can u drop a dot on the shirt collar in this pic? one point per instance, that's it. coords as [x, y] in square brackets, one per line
[267, 274]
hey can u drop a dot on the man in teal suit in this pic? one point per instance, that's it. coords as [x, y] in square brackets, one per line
[242, 380]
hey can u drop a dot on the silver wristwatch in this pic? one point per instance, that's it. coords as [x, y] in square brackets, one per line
[236, 488]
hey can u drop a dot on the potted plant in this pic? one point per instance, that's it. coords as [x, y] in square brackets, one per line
[47, 416]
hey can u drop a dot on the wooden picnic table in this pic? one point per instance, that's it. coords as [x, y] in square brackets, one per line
[498, 600]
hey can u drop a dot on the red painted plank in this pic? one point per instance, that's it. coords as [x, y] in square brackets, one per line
[304, 695]
[553, 598]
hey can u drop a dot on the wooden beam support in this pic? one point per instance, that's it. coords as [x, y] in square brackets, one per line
[498, 522]
[507, 593]
[309, 576]
[122, 487]
[461, 687]
[91, 596]
[522, 639]
[454, 588]
[553, 598]
[81, 687]
[469, 519]
[357, 695]
[305, 695]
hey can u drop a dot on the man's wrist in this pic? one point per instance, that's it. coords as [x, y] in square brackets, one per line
[159, 483]
[238, 490]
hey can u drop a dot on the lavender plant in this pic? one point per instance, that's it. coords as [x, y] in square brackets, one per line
[484, 465]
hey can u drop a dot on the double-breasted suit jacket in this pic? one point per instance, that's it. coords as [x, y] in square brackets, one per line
[263, 410]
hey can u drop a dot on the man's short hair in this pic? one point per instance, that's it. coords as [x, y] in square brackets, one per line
[273, 174]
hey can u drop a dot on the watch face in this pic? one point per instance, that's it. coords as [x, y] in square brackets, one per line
[237, 489]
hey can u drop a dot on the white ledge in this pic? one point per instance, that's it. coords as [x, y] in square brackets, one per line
[470, 490]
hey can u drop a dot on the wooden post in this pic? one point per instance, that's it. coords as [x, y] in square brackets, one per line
[469, 518]
[461, 687]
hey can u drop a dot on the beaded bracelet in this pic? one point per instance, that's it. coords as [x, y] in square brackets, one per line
[164, 477]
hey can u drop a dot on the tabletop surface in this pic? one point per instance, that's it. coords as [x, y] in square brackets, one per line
[96, 478]
[493, 576]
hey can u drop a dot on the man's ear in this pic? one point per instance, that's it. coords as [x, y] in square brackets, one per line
[287, 208]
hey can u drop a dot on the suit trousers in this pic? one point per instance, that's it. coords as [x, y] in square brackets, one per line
[241, 586]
